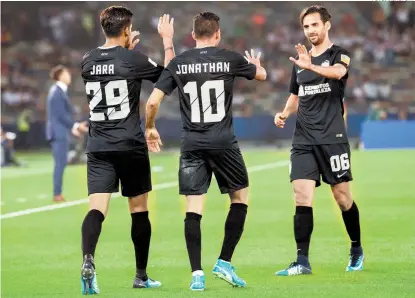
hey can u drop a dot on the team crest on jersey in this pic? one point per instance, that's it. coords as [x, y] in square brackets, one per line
[325, 63]
[345, 59]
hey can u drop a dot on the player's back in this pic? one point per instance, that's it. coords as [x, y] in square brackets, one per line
[113, 78]
[205, 78]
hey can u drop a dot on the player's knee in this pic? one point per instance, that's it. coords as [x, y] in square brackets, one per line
[239, 196]
[303, 195]
[100, 202]
[138, 203]
[195, 203]
[343, 196]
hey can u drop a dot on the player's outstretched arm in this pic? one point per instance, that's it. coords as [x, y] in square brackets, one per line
[335, 72]
[152, 136]
[261, 73]
[290, 107]
[166, 31]
[152, 107]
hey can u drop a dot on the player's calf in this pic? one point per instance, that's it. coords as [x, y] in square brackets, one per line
[234, 227]
[141, 235]
[342, 195]
[350, 214]
[193, 237]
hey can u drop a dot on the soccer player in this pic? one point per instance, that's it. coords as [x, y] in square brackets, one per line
[205, 76]
[116, 147]
[320, 143]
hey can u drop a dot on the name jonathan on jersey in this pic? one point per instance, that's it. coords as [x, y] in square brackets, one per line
[102, 69]
[203, 67]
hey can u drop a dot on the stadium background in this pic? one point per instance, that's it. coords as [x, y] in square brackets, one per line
[42, 246]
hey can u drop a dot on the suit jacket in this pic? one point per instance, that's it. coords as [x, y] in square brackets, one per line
[59, 115]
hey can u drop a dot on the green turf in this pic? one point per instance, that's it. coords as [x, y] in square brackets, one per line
[41, 254]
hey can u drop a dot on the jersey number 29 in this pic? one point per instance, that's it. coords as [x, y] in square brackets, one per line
[116, 96]
[206, 109]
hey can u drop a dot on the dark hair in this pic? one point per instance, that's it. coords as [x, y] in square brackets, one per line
[324, 14]
[205, 24]
[114, 19]
[56, 72]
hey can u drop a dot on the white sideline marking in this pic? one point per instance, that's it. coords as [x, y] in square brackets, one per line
[26, 172]
[116, 195]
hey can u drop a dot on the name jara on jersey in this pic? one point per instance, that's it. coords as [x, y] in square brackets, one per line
[102, 69]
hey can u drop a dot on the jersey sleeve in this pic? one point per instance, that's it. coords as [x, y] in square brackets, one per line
[240, 67]
[144, 68]
[342, 57]
[166, 82]
[293, 83]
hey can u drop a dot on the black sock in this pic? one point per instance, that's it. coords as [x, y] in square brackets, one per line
[351, 221]
[141, 234]
[303, 228]
[193, 238]
[234, 226]
[91, 229]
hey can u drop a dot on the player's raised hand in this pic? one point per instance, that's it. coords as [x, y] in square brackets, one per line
[251, 58]
[153, 139]
[279, 120]
[304, 58]
[133, 42]
[165, 26]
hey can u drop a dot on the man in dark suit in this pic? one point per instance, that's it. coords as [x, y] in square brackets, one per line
[59, 124]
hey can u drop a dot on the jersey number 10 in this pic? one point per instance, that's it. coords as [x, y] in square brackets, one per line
[206, 108]
[116, 96]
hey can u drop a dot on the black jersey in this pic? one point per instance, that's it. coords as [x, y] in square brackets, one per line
[320, 110]
[113, 79]
[205, 78]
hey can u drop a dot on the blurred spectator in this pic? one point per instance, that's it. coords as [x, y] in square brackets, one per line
[376, 112]
[7, 157]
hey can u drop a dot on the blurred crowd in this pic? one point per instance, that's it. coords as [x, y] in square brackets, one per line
[379, 35]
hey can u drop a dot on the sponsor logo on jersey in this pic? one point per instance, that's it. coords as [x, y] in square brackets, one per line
[313, 89]
[345, 59]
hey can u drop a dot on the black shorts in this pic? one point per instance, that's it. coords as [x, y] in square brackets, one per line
[332, 162]
[107, 169]
[196, 167]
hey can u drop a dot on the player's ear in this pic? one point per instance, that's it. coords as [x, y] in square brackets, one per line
[127, 30]
[193, 35]
[327, 25]
[218, 34]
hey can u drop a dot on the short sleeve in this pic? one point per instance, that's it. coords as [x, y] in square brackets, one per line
[144, 68]
[293, 83]
[166, 82]
[342, 57]
[240, 67]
